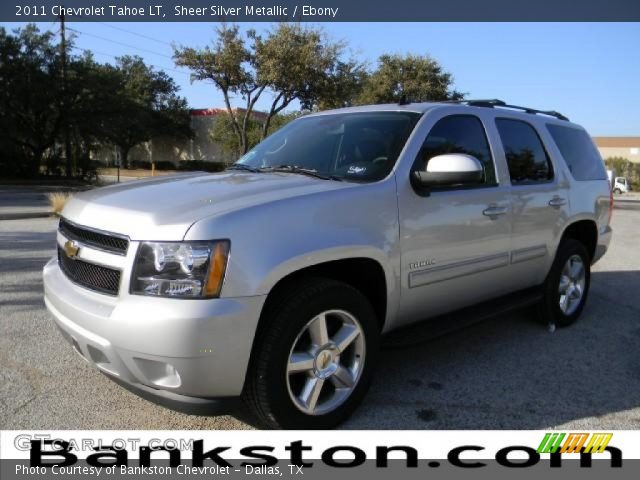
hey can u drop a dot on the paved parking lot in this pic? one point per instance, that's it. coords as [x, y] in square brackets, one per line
[508, 372]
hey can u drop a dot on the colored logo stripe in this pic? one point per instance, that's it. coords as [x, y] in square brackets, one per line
[574, 443]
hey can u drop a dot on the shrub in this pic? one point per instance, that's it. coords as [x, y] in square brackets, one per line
[58, 200]
[140, 164]
[624, 168]
[191, 165]
[165, 165]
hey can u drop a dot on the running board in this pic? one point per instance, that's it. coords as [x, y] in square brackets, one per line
[420, 332]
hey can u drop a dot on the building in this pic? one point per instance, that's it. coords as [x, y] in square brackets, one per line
[625, 147]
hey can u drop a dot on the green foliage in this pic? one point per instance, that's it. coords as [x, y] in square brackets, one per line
[625, 168]
[301, 63]
[30, 97]
[415, 78]
[144, 104]
[122, 105]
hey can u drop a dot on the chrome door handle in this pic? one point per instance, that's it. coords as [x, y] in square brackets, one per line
[557, 202]
[494, 211]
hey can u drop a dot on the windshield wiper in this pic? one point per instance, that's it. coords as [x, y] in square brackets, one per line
[240, 166]
[300, 170]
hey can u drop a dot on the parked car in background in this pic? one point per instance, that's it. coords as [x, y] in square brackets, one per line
[274, 280]
[621, 185]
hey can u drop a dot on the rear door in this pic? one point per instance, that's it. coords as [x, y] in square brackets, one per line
[539, 198]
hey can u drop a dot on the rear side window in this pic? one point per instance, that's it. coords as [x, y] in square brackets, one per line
[526, 157]
[579, 153]
[459, 134]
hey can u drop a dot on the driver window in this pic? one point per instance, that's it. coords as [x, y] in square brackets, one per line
[459, 134]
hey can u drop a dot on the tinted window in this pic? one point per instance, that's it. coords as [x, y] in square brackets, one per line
[459, 134]
[578, 152]
[354, 146]
[526, 157]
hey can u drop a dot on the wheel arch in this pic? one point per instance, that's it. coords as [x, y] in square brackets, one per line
[363, 273]
[586, 232]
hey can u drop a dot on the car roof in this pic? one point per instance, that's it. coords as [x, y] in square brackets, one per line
[424, 107]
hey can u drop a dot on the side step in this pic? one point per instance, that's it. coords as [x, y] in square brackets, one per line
[421, 332]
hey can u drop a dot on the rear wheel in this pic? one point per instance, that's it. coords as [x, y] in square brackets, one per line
[567, 285]
[618, 191]
[315, 356]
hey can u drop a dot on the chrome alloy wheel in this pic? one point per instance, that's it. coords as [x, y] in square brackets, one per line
[572, 283]
[325, 362]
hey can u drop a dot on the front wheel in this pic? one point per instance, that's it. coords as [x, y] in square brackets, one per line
[315, 356]
[567, 285]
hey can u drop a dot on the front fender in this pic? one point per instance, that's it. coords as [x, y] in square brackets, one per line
[273, 240]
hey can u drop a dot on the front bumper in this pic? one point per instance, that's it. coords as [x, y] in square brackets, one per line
[177, 349]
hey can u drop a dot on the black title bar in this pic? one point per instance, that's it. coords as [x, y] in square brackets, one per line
[320, 10]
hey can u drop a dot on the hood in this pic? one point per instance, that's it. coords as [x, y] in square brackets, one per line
[163, 208]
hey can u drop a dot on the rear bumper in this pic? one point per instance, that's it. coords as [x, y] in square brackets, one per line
[178, 350]
[604, 239]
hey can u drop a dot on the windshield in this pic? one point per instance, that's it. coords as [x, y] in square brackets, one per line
[351, 146]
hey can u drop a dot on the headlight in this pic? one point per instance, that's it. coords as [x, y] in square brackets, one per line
[180, 269]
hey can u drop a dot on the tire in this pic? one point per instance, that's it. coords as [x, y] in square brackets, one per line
[280, 399]
[618, 191]
[556, 308]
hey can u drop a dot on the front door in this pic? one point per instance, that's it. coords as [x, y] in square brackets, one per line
[455, 241]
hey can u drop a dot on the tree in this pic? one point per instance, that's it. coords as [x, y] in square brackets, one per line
[413, 78]
[291, 63]
[301, 63]
[228, 64]
[144, 104]
[30, 118]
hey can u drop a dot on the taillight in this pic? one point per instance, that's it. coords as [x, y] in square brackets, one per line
[610, 206]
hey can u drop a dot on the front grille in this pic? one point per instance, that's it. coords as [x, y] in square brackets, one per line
[103, 241]
[94, 277]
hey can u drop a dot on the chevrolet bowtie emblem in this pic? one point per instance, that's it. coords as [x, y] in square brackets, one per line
[324, 360]
[71, 248]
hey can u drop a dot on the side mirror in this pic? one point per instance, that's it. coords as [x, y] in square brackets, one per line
[449, 169]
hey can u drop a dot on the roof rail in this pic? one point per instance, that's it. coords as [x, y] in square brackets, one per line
[494, 102]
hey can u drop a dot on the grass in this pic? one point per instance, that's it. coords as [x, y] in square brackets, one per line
[58, 200]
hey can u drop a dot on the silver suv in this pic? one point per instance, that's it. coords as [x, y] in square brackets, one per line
[275, 279]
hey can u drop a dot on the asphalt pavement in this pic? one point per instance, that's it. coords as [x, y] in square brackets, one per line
[508, 372]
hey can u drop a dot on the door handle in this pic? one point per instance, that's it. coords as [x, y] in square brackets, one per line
[493, 211]
[557, 202]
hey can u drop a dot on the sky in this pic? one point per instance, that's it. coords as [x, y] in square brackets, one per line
[587, 71]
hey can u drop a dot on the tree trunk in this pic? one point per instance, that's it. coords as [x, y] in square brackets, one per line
[265, 126]
[234, 121]
[275, 109]
[124, 156]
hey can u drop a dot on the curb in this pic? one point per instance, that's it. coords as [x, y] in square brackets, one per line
[25, 216]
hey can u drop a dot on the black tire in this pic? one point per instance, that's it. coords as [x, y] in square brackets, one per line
[549, 307]
[618, 191]
[266, 387]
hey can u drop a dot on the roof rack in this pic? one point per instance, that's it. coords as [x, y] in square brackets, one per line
[491, 103]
